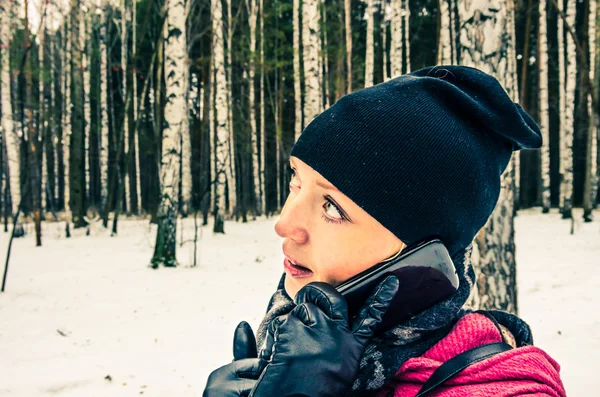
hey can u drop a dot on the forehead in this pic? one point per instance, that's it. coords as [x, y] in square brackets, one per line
[319, 179]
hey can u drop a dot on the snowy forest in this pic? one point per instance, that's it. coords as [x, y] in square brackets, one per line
[169, 108]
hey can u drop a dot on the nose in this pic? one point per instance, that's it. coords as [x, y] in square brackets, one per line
[292, 220]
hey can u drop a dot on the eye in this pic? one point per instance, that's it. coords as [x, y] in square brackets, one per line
[294, 180]
[333, 213]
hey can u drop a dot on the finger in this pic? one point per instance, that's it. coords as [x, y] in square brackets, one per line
[249, 368]
[326, 298]
[374, 309]
[244, 342]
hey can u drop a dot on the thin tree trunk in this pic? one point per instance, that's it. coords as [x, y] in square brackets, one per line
[525, 63]
[297, 72]
[571, 82]
[230, 166]
[311, 32]
[348, 21]
[42, 114]
[66, 130]
[263, 137]
[84, 35]
[138, 181]
[221, 117]
[396, 44]
[590, 187]
[124, 38]
[252, 6]
[370, 51]
[325, 57]
[494, 248]
[32, 132]
[8, 128]
[104, 89]
[384, 25]
[406, 14]
[561, 104]
[543, 105]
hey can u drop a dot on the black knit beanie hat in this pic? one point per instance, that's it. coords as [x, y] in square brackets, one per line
[423, 153]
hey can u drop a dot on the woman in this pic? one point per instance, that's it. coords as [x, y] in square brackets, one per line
[385, 167]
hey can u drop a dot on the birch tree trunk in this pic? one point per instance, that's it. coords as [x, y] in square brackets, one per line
[561, 104]
[252, 6]
[230, 159]
[445, 47]
[263, 137]
[396, 44]
[370, 52]
[221, 116]
[176, 116]
[66, 123]
[325, 58]
[297, 72]
[571, 82]
[103, 112]
[543, 105]
[42, 114]
[590, 186]
[348, 22]
[138, 182]
[384, 25]
[494, 248]
[124, 38]
[311, 33]
[84, 35]
[406, 15]
[9, 134]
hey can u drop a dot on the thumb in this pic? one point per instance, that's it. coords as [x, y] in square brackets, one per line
[244, 342]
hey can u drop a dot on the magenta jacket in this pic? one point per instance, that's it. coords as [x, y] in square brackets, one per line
[525, 371]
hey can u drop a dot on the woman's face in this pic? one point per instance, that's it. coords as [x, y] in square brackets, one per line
[327, 237]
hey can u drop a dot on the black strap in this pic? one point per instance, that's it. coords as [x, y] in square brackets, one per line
[456, 364]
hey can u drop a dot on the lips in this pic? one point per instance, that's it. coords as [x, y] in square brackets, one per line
[294, 269]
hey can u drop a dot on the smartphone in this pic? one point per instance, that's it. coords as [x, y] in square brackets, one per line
[426, 274]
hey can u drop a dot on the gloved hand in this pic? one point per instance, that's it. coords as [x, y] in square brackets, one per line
[239, 377]
[315, 351]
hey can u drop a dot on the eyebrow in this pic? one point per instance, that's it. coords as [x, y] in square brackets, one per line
[324, 185]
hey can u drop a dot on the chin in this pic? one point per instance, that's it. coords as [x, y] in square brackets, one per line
[292, 286]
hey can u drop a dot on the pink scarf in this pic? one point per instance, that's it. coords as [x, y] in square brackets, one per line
[518, 372]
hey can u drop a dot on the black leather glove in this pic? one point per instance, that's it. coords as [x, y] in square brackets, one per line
[315, 351]
[239, 377]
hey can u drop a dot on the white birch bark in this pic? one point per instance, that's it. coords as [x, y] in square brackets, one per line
[176, 78]
[543, 104]
[263, 138]
[406, 17]
[561, 103]
[66, 131]
[348, 24]
[220, 111]
[84, 34]
[571, 83]
[385, 49]
[252, 6]
[53, 129]
[325, 60]
[494, 260]
[43, 123]
[297, 82]
[138, 181]
[124, 38]
[8, 129]
[444, 44]
[103, 112]
[370, 53]
[396, 45]
[311, 33]
[230, 166]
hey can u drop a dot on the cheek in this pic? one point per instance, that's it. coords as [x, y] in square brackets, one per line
[339, 265]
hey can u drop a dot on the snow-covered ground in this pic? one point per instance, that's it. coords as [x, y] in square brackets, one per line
[86, 316]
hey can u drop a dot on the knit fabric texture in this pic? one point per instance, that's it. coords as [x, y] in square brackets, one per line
[422, 153]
